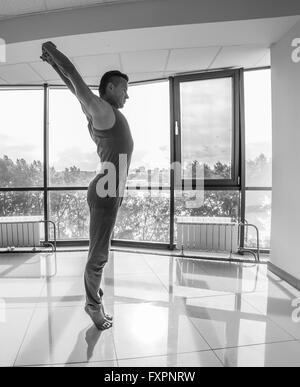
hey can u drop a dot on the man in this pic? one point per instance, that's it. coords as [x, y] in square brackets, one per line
[111, 133]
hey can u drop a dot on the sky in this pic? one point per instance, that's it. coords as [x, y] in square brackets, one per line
[258, 113]
[206, 117]
[206, 120]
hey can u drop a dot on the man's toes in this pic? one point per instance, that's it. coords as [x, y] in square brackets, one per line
[107, 325]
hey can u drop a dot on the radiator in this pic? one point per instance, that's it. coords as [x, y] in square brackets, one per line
[207, 234]
[20, 231]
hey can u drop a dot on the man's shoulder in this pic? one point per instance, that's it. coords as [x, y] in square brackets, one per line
[103, 114]
[101, 106]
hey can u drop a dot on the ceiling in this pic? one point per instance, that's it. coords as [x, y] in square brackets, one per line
[142, 53]
[13, 8]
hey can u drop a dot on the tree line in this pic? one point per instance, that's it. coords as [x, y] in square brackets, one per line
[143, 217]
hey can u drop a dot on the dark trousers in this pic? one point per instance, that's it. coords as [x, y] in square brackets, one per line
[103, 215]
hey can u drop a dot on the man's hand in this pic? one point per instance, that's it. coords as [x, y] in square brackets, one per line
[67, 71]
[48, 45]
[46, 49]
[47, 58]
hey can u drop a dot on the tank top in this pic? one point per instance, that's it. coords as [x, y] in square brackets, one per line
[114, 146]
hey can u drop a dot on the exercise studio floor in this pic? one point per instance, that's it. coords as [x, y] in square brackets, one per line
[167, 312]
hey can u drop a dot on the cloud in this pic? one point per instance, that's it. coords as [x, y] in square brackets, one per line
[210, 155]
[28, 152]
[86, 161]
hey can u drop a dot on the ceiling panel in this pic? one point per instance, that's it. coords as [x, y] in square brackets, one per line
[144, 61]
[23, 53]
[10, 8]
[92, 80]
[93, 66]
[44, 70]
[19, 73]
[198, 58]
[239, 56]
[137, 77]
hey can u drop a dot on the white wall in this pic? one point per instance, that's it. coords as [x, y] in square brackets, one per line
[285, 240]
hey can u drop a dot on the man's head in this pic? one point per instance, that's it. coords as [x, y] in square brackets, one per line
[113, 88]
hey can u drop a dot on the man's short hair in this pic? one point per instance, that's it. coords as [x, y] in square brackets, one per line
[113, 77]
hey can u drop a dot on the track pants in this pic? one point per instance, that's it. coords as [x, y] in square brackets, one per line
[103, 215]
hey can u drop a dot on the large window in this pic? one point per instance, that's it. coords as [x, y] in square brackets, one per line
[258, 212]
[21, 133]
[258, 127]
[21, 204]
[72, 153]
[145, 212]
[207, 127]
[21, 152]
[69, 211]
[145, 217]
[203, 130]
[148, 113]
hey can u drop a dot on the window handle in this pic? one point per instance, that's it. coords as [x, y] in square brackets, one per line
[176, 128]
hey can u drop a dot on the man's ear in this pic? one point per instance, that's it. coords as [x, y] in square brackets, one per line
[110, 86]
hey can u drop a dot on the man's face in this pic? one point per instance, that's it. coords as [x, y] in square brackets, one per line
[119, 93]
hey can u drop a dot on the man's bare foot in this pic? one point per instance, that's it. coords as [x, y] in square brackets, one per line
[98, 318]
[106, 315]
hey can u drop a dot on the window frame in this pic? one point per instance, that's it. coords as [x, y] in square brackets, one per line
[235, 75]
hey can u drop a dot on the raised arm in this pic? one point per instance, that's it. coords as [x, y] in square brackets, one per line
[92, 104]
[47, 58]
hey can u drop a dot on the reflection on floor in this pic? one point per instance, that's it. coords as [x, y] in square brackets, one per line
[167, 312]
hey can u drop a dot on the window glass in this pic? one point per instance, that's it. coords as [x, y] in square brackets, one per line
[206, 127]
[21, 138]
[258, 126]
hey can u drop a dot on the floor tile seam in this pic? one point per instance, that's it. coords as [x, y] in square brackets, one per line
[166, 355]
[154, 272]
[28, 326]
[254, 345]
[271, 319]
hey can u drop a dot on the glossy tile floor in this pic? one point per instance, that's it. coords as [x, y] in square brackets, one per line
[167, 312]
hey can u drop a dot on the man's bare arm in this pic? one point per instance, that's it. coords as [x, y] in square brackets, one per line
[66, 80]
[46, 58]
[88, 99]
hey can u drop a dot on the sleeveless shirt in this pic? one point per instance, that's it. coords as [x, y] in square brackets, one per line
[112, 144]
